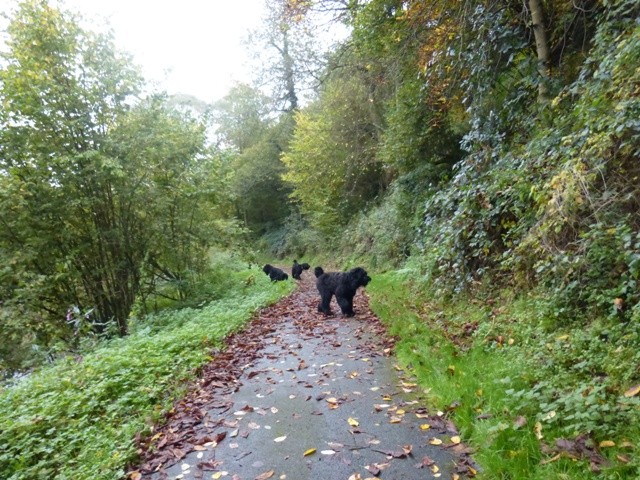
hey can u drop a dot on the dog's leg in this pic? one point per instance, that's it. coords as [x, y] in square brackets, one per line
[346, 305]
[324, 305]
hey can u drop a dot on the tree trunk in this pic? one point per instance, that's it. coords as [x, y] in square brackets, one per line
[542, 48]
[289, 79]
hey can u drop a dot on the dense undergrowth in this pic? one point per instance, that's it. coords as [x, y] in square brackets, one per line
[78, 418]
[533, 403]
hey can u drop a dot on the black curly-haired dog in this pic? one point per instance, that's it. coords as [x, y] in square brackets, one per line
[297, 269]
[275, 274]
[341, 284]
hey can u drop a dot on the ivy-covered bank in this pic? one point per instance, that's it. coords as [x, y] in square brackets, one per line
[78, 418]
[522, 395]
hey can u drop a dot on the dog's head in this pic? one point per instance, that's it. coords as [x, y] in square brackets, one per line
[359, 277]
[267, 269]
[318, 271]
[305, 266]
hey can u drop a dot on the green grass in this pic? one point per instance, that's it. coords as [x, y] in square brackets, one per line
[484, 382]
[77, 419]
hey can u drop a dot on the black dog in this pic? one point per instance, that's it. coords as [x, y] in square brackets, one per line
[297, 269]
[341, 284]
[275, 274]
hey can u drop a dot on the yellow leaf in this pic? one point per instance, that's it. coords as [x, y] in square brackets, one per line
[435, 468]
[607, 443]
[538, 429]
[632, 392]
[395, 420]
[425, 426]
[353, 422]
[311, 451]
[455, 440]
[435, 441]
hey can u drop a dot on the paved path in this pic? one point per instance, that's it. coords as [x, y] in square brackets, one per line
[301, 396]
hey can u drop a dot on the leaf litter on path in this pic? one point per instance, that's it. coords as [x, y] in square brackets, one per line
[302, 395]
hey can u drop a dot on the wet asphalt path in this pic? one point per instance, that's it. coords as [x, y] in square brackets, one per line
[322, 399]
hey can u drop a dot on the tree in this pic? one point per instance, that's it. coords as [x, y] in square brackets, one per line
[254, 139]
[289, 53]
[331, 163]
[94, 190]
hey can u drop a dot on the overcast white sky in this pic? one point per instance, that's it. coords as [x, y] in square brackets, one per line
[186, 46]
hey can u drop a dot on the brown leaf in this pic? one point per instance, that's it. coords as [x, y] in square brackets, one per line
[265, 475]
[519, 422]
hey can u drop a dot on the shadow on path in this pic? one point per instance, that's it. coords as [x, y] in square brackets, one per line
[297, 395]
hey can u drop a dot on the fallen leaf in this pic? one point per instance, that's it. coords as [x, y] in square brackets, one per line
[435, 441]
[328, 452]
[425, 426]
[623, 458]
[280, 439]
[265, 475]
[455, 440]
[395, 420]
[632, 392]
[134, 475]
[519, 422]
[538, 429]
[607, 443]
[353, 422]
[308, 452]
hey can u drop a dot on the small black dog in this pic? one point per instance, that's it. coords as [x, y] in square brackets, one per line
[297, 269]
[275, 274]
[341, 284]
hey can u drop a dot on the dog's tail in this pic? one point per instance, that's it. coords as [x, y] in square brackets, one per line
[318, 271]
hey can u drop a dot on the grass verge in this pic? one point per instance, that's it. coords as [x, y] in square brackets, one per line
[477, 368]
[77, 418]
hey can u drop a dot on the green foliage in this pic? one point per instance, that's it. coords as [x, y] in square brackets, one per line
[77, 418]
[330, 162]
